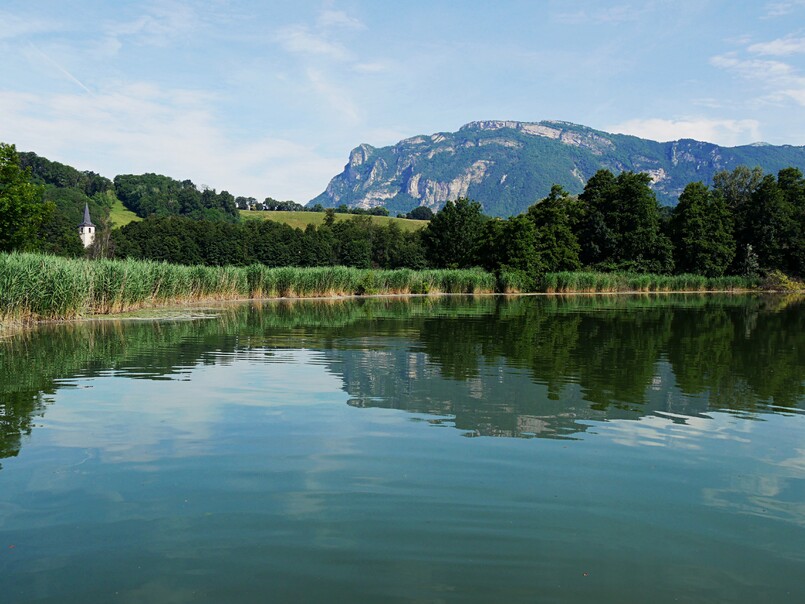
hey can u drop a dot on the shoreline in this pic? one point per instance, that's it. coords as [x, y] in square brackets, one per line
[39, 288]
[183, 310]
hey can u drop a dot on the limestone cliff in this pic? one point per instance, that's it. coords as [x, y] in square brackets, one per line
[508, 165]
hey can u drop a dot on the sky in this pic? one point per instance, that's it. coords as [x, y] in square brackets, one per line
[267, 97]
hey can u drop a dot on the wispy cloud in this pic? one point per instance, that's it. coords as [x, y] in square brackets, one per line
[752, 68]
[300, 39]
[159, 25]
[319, 38]
[371, 67]
[720, 131]
[335, 18]
[778, 80]
[143, 128]
[326, 66]
[606, 15]
[337, 98]
[14, 26]
[781, 9]
[781, 47]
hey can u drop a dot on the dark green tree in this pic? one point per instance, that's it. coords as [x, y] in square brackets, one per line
[21, 208]
[701, 232]
[554, 218]
[620, 224]
[736, 187]
[792, 184]
[597, 239]
[420, 213]
[767, 223]
[641, 246]
[518, 251]
[453, 237]
[353, 242]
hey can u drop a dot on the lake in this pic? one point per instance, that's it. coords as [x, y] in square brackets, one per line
[456, 449]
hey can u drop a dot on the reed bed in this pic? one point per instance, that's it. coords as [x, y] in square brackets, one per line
[584, 282]
[41, 287]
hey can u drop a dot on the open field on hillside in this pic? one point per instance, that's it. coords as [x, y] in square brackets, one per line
[121, 216]
[302, 219]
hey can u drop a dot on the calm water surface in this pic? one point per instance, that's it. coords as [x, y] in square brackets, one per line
[623, 449]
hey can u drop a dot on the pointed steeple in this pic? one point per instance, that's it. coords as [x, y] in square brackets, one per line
[87, 221]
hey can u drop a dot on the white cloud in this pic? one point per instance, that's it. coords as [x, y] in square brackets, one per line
[752, 68]
[780, 47]
[12, 26]
[158, 26]
[780, 81]
[318, 40]
[609, 15]
[780, 9]
[300, 39]
[334, 96]
[336, 18]
[142, 128]
[371, 67]
[720, 131]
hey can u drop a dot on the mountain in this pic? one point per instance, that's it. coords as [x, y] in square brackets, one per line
[508, 165]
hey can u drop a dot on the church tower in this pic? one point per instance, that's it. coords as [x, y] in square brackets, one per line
[86, 230]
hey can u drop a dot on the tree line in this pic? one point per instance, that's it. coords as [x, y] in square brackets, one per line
[356, 242]
[746, 223]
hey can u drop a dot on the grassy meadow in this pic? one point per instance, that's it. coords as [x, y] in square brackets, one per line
[120, 215]
[300, 220]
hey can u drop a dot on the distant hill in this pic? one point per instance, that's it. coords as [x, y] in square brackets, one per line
[508, 165]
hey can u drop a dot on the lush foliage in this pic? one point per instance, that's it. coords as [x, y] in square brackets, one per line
[21, 209]
[65, 192]
[453, 238]
[358, 242]
[154, 194]
[702, 232]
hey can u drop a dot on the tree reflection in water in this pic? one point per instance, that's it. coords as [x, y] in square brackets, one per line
[505, 366]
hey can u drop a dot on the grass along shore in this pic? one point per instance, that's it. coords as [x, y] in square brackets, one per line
[36, 287]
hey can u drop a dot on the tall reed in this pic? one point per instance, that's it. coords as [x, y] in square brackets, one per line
[37, 287]
[586, 282]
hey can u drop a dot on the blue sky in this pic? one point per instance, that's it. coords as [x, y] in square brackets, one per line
[266, 98]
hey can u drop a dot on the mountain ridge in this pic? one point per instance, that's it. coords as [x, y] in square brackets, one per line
[508, 165]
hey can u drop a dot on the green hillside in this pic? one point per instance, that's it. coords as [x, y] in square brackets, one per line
[300, 220]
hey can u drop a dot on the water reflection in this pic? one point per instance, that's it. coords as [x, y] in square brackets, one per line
[493, 366]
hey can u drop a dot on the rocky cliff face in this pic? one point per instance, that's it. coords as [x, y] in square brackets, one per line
[509, 165]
